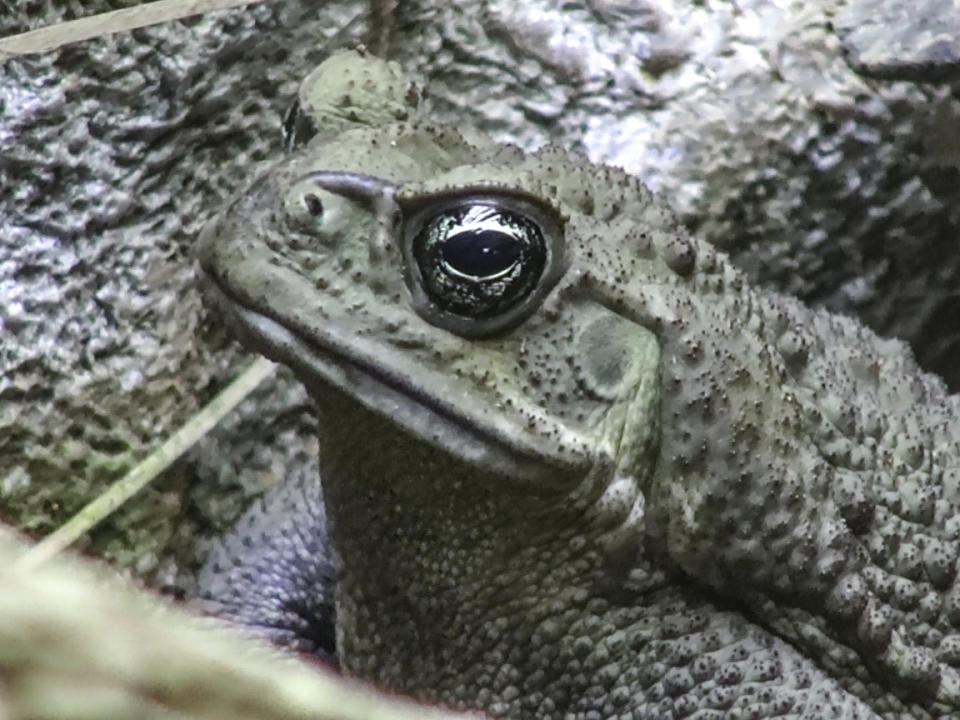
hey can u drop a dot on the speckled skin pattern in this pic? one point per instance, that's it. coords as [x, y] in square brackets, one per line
[651, 491]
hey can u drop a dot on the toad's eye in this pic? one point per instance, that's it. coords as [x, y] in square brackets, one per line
[478, 260]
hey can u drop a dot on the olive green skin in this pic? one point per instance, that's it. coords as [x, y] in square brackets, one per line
[645, 489]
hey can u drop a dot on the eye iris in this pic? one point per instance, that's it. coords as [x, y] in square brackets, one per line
[481, 253]
[478, 259]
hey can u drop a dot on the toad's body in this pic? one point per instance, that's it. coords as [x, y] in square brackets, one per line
[573, 465]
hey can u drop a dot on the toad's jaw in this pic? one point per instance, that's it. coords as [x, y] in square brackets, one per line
[476, 437]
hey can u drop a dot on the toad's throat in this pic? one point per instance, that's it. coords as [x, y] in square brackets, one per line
[469, 434]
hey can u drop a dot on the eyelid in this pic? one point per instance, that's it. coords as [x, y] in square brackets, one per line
[412, 197]
[418, 207]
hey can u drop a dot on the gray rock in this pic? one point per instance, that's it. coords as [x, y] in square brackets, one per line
[110, 154]
[902, 41]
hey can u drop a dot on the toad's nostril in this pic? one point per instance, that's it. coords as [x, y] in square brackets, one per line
[313, 204]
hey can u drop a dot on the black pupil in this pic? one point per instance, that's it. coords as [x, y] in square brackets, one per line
[481, 253]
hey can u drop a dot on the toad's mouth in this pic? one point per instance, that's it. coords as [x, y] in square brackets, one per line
[554, 454]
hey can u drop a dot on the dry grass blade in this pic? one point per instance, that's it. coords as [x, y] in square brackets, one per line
[151, 13]
[78, 643]
[160, 459]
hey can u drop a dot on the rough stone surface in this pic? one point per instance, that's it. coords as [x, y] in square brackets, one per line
[639, 485]
[745, 116]
[110, 152]
[892, 40]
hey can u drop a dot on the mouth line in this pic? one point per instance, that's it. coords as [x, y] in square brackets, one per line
[467, 436]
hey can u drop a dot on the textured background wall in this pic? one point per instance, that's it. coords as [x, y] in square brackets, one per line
[746, 116]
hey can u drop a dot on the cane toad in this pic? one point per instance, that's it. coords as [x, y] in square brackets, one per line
[573, 464]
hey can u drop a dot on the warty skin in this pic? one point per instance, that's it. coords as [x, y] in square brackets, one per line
[642, 488]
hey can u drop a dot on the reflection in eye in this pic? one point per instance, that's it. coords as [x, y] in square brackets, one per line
[481, 246]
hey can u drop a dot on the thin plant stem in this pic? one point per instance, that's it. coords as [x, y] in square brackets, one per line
[52, 37]
[155, 463]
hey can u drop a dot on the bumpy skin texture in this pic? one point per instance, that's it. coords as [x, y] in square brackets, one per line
[647, 489]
